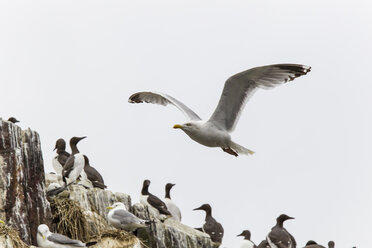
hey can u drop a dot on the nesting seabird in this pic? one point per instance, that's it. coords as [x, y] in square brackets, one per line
[172, 207]
[62, 156]
[90, 177]
[211, 226]
[156, 205]
[75, 163]
[247, 242]
[47, 239]
[120, 218]
[279, 237]
[313, 244]
[13, 120]
[54, 189]
[216, 131]
[331, 244]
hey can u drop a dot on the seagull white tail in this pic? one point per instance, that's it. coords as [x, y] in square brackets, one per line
[240, 149]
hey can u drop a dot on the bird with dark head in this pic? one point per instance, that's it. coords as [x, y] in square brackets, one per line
[92, 176]
[331, 244]
[279, 236]
[75, 162]
[13, 120]
[59, 161]
[172, 207]
[157, 206]
[246, 242]
[211, 226]
[313, 244]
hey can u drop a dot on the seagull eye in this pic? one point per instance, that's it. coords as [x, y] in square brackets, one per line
[188, 124]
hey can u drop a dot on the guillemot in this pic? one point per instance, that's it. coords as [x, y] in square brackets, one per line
[171, 206]
[74, 164]
[247, 242]
[90, 177]
[155, 205]
[59, 161]
[211, 226]
[279, 237]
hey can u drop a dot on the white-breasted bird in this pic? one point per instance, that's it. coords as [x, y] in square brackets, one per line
[216, 131]
[120, 218]
[74, 164]
[247, 242]
[171, 206]
[47, 239]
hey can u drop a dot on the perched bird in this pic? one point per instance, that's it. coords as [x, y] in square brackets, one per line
[156, 205]
[279, 237]
[90, 177]
[247, 243]
[54, 189]
[62, 156]
[211, 226]
[216, 131]
[47, 239]
[13, 120]
[171, 206]
[120, 218]
[313, 244]
[331, 244]
[264, 244]
[74, 164]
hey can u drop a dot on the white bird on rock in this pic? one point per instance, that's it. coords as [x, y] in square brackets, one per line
[216, 131]
[47, 239]
[120, 218]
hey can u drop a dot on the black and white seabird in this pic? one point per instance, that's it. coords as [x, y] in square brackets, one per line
[211, 226]
[279, 237]
[331, 244]
[62, 156]
[172, 207]
[246, 243]
[74, 164]
[47, 239]
[120, 218]
[313, 244]
[155, 205]
[264, 244]
[13, 120]
[90, 177]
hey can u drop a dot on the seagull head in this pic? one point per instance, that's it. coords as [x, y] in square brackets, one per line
[188, 126]
[117, 205]
[43, 230]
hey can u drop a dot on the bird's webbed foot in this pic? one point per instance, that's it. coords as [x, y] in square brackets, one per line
[230, 151]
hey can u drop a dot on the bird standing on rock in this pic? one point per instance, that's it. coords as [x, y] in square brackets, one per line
[171, 206]
[216, 131]
[13, 120]
[247, 243]
[211, 226]
[62, 156]
[120, 218]
[279, 237]
[74, 164]
[90, 177]
[154, 204]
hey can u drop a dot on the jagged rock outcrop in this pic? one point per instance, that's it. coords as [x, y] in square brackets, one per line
[23, 203]
[77, 212]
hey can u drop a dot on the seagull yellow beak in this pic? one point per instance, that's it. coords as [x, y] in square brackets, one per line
[43, 237]
[109, 208]
[2, 222]
[177, 126]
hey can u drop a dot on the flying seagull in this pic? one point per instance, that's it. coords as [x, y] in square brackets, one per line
[46, 238]
[216, 131]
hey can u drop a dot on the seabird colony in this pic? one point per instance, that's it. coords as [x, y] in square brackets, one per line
[212, 133]
[215, 132]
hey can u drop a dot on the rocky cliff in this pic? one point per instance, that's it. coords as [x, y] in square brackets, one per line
[77, 212]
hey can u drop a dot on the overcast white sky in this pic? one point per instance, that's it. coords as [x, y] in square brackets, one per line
[67, 69]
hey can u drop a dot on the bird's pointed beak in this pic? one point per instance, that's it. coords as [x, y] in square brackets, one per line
[2, 222]
[239, 235]
[196, 209]
[177, 126]
[44, 237]
[109, 208]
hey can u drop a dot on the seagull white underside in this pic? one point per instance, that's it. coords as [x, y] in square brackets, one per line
[237, 89]
[129, 222]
